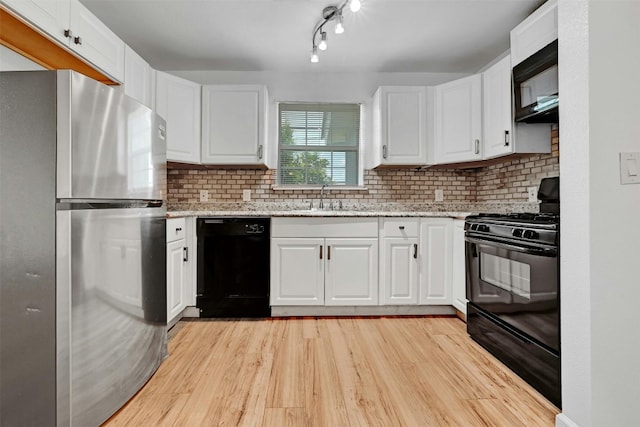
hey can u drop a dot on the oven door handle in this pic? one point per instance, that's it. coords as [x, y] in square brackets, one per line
[549, 252]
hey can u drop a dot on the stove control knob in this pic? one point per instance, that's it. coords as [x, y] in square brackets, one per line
[483, 228]
[530, 234]
[517, 232]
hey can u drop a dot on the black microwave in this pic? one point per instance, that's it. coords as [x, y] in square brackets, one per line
[535, 87]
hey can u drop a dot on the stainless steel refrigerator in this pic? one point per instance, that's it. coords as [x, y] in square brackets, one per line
[82, 248]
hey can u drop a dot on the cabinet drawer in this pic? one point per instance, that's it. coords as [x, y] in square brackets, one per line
[403, 227]
[175, 229]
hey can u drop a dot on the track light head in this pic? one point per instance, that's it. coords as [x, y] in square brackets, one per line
[323, 41]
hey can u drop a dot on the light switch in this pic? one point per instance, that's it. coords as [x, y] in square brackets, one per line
[629, 165]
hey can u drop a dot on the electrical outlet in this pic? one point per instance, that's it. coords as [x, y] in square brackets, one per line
[246, 195]
[533, 194]
[204, 196]
[439, 195]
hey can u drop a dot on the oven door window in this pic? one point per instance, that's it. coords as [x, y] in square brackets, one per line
[507, 274]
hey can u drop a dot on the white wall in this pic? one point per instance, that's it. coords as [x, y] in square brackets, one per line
[575, 293]
[318, 87]
[11, 61]
[600, 222]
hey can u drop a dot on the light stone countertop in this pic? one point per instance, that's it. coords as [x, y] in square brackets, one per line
[297, 209]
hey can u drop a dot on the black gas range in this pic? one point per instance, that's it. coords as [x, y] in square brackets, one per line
[513, 289]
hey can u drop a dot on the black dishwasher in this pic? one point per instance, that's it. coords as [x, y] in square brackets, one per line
[233, 267]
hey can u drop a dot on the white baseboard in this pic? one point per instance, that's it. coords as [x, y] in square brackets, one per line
[563, 421]
[399, 310]
[191, 311]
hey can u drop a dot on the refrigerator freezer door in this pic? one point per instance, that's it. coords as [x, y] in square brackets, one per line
[109, 145]
[111, 298]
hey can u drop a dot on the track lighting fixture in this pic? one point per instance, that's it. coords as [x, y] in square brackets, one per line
[330, 13]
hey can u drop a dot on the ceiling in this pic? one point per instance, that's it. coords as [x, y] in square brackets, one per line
[275, 35]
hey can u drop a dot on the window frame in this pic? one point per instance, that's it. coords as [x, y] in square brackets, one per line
[357, 148]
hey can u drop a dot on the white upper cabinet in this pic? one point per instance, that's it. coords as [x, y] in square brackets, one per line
[73, 25]
[137, 77]
[496, 109]
[178, 102]
[458, 120]
[234, 130]
[95, 41]
[51, 16]
[399, 126]
[535, 32]
[500, 136]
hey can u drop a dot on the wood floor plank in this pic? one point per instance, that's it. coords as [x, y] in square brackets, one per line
[286, 417]
[286, 384]
[402, 371]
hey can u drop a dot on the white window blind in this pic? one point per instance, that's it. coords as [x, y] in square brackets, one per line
[318, 144]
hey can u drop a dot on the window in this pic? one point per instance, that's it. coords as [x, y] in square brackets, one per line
[318, 144]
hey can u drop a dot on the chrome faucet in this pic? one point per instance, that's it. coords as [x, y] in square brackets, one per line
[321, 204]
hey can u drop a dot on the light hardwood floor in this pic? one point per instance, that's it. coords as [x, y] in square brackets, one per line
[332, 372]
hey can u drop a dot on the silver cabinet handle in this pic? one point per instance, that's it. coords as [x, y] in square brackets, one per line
[506, 138]
[77, 40]
[68, 33]
[415, 250]
[185, 254]
[384, 151]
[260, 152]
[477, 146]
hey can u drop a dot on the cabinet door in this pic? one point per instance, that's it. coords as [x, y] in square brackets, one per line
[496, 109]
[399, 271]
[137, 77]
[402, 117]
[176, 275]
[178, 101]
[95, 41]
[52, 16]
[535, 32]
[458, 120]
[435, 255]
[297, 271]
[351, 272]
[233, 124]
[458, 276]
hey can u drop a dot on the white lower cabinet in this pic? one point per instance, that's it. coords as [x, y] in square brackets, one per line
[458, 276]
[415, 261]
[351, 272]
[297, 271]
[179, 269]
[435, 261]
[399, 261]
[324, 261]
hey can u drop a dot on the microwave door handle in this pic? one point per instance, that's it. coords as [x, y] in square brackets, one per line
[518, 248]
